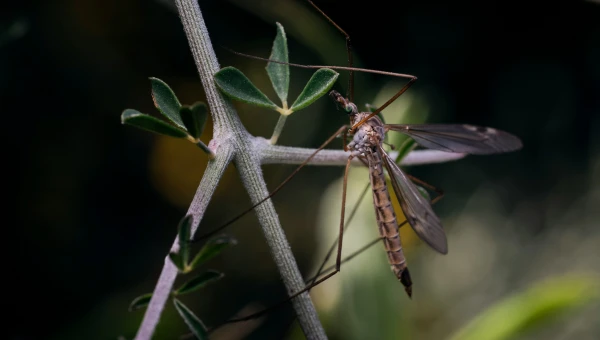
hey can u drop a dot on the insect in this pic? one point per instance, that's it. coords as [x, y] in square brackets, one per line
[367, 144]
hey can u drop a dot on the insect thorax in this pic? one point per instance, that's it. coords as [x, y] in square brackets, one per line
[368, 136]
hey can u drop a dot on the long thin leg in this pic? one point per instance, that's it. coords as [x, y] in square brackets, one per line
[439, 192]
[440, 195]
[368, 245]
[338, 260]
[350, 93]
[332, 248]
[237, 217]
[392, 146]
[332, 270]
[347, 224]
[348, 258]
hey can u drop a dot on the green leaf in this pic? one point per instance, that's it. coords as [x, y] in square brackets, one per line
[195, 325]
[212, 248]
[236, 85]
[149, 123]
[199, 281]
[406, 147]
[538, 305]
[194, 118]
[140, 302]
[165, 101]
[177, 261]
[184, 230]
[318, 85]
[279, 73]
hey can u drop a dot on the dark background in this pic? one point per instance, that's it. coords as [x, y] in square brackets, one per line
[93, 205]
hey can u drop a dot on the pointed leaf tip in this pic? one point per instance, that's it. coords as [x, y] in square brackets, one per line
[320, 82]
[194, 118]
[184, 232]
[199, 281]
[140, 302]
[165, 101]
[211, 249]
[152, 124]
[236, 85]
[279, 73]
[177, 261]
[192, 321]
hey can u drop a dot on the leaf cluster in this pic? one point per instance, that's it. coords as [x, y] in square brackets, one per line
[185, 121]
[181, 260]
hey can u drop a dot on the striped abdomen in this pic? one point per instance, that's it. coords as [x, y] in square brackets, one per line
[386, 221]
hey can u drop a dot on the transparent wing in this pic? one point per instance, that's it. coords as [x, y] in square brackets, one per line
[416, 208]
[462, 138]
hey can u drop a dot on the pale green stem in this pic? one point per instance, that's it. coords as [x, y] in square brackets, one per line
[278, 129]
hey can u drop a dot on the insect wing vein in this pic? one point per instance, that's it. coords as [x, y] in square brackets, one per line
[416, 208]
[462, 138]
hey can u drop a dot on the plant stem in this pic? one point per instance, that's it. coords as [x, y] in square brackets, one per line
[205, 148]
[278, 129]
[277, 154]
[230, 140]
[163, 288]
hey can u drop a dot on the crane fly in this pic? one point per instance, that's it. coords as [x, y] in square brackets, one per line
[367, 143]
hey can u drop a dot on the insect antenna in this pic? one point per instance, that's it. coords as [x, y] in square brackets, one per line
[333, 67]
[350, 93]
[412, 80]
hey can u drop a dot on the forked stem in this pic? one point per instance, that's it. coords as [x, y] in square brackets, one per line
[231, 142]
[315, 282]
[258, 150]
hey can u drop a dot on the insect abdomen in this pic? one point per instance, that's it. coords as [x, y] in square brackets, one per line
[387, 223]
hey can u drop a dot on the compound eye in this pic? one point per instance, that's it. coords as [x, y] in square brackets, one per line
[350, 108]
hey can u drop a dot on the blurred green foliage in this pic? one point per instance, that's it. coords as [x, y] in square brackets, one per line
[536, 307]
